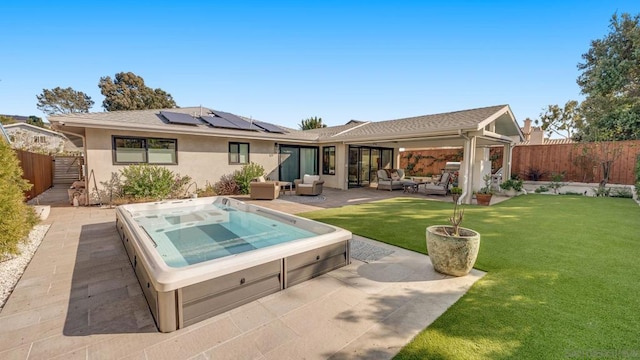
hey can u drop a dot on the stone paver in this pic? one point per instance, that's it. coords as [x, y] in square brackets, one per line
[79, 298]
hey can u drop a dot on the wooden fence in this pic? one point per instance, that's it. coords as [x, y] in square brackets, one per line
[38, 170]
[577, 161]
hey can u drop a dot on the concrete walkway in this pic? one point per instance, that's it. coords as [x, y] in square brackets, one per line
[79, 299]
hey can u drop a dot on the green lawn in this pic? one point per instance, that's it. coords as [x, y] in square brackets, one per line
[563, 276]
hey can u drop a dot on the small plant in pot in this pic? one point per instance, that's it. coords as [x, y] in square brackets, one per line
[455, 193]
[453, 249]
[483, 196]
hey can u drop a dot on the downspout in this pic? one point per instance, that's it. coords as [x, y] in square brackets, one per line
[466, 150]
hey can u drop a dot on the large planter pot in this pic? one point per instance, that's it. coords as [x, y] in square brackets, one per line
[452, 255]
[483, 199]
[510, 192]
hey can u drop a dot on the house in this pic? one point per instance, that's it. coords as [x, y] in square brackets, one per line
[206, 144]
[36, 139]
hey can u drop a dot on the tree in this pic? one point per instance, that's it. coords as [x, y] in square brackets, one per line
[16, 218]
[610, 79]
[562, 121]
[63, 101]
[128, 92]
[312, 123]
[35, 121]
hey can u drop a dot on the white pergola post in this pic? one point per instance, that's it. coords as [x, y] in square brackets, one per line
[468, 159]
[506, 162]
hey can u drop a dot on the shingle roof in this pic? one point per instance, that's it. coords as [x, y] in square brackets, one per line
[151, 120]
[464, 119]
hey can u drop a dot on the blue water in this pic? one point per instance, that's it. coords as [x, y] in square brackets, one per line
[186, 236]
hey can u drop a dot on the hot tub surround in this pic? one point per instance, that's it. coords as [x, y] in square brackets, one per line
[181, 296]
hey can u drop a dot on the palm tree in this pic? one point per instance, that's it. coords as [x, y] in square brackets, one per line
[312, 123]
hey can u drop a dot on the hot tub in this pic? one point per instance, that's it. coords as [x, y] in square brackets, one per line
[197, 258]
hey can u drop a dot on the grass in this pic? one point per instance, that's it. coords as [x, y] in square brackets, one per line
[562, 275]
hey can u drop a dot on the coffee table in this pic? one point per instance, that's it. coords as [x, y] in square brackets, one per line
[284, 185]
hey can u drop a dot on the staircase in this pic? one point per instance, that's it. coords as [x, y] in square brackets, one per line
[67, 169]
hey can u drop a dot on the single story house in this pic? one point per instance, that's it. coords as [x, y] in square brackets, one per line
[206, 144]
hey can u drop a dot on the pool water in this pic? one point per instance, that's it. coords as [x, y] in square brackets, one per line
[191, 235]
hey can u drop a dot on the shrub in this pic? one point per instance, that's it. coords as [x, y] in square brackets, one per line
[16, 218]
[534, 174]
[178, 187]
[541, 189]
[244, 176]
[227, 186]
[209, 190]
[556, 181]
[621, 192]
[148, 181]
[111, 191]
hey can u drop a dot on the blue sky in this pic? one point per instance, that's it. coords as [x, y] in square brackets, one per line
[286, 61]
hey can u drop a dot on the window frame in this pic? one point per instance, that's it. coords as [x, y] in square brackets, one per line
[328, 152]
[238, 153]
[145, 141]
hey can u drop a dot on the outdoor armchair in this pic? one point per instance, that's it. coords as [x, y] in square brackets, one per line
[308, 185]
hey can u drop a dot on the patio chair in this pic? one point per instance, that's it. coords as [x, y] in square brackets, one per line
[439, 188]
[260, 189]
[309, 185]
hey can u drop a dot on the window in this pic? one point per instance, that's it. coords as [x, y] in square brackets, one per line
[238, 153]
[129, 150]
[329, 160]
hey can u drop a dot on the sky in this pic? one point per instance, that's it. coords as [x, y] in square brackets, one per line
[284, 61]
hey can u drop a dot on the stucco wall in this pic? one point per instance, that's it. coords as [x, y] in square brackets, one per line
[202, 158]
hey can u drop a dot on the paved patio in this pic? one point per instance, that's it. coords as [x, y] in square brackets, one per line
[79, 298]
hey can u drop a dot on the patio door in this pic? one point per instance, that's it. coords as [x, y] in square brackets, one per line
[364, 162]
[295, 161]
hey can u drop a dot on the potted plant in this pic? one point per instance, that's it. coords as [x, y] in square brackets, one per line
[511, 187]
[455, 193]
[483, 196]
[453, 249]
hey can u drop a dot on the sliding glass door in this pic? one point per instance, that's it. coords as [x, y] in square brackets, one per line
[364, 162]
[295, 161]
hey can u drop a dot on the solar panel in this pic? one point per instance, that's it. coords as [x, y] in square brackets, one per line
[218, 122]
[235, 120]
[179, 118]
[268, 127]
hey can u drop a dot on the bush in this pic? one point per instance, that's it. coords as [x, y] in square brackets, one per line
[244, 176]
[621, 192]
[541, 189]
[148, 181]
[16, 218]
[227, 186]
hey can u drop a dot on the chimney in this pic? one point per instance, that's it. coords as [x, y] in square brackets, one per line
[537, 136]
[526, 130]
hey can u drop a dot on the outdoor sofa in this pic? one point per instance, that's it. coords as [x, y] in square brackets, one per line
[260, 189]
[392, 179]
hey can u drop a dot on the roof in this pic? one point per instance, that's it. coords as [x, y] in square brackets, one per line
[33, 128]
[151, 120]
[450, 123]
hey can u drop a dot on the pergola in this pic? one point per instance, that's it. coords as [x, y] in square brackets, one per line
[473, 130]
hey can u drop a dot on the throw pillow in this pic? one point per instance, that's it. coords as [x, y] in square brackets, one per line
[395, 176]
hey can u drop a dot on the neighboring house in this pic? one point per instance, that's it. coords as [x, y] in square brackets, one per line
[35, 139]
[534, 135]
[206, 144]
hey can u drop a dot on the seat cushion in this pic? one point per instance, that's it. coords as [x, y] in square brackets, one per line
[305, 185]
[309, 179]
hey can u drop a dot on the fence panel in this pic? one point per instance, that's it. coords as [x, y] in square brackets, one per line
[38, 170]
[580, 162]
